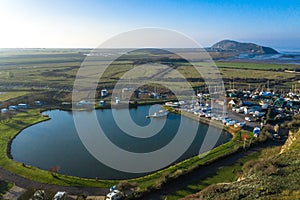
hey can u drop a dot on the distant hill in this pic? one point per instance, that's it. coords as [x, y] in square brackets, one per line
[239, 47]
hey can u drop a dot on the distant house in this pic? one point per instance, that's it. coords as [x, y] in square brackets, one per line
[4, 110]
[38, 103]
[22, 105]
[104, 93]
[13, 108]
[118, 100]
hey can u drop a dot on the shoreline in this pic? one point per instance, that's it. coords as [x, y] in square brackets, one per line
[208, 122]
[203, 121]
[8, 148]
[186, 166]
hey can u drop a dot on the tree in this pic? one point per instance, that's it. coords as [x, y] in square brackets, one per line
[127, 187]
[54, 170]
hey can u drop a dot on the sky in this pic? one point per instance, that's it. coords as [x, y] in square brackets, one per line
[88, 23]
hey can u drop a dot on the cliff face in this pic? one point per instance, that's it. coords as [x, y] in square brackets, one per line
[238, 47]
[275, 175]
[289, 142]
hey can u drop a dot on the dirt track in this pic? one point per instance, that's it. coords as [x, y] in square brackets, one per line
[29, 184]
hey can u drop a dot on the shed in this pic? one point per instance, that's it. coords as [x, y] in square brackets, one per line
[38, 103]
[22, 105]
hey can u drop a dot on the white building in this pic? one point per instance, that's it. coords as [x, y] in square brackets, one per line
[23, 105]
[104, 93]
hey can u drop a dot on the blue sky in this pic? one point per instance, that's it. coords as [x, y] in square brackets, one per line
[87, 23]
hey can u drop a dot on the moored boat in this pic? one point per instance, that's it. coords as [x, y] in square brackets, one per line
[160, 113]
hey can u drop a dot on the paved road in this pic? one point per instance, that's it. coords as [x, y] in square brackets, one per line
[14, 193]
[29, 184]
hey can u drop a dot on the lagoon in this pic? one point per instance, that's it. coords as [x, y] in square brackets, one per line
[56, 142]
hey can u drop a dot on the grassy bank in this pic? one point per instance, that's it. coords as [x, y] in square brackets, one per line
[274, 175]
[9, 129]
[223, 174]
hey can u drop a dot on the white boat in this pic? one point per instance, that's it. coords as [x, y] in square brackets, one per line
[160, 113]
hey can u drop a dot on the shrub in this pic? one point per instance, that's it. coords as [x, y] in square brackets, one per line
[126, 185]
[178, 173]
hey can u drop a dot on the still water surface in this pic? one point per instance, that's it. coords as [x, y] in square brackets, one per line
[56, 142]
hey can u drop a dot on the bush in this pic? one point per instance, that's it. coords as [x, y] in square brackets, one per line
[126, 186]
[262, 137]
[178, 173]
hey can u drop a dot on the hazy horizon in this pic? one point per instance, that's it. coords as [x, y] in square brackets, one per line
[86, 24]
[279, 49]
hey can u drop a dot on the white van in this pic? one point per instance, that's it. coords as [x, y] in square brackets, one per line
[114, 195]
[60, 196]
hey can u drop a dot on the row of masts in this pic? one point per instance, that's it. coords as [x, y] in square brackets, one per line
[257, 87]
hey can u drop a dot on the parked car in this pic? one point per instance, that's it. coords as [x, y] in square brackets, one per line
[60, 196]
[114, 195]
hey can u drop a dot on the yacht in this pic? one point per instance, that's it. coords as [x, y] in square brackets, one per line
[160, 113]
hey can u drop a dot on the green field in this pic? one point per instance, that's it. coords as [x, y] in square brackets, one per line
[4, 96]
[259, 66]
[56, 69]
